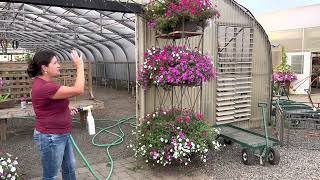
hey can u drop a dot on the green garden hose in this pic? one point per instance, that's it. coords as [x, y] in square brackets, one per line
[117, 141]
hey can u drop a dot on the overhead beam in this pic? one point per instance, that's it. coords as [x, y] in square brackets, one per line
[103, 5]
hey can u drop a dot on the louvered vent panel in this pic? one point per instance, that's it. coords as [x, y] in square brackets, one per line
[234, 73]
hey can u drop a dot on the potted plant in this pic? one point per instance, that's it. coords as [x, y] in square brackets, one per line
[28, 57]
[283, 75]
[177, 15]
[8, 167]
[175, 66]
[174, 137]
[5, 102]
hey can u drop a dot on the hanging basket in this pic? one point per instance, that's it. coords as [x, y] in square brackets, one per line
[188, 26]
[7, 104]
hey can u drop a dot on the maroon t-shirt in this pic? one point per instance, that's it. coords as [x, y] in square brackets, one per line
[52, 116]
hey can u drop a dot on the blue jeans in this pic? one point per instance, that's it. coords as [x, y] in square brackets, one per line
[55, 152]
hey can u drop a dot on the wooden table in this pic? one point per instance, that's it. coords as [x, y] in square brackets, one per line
[16, 112]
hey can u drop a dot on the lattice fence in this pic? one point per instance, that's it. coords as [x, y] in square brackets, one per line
[18, 83]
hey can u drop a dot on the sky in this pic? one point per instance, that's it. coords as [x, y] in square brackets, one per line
[261, 6]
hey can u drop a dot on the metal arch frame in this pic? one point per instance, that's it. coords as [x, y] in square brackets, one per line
[92, 32]
[43, 36]
[100, 45]
[62, 15]
[120, 22]
[112, 6]
[95, 52]
[109, 29]
[64, 54]
[74, 22]
[107, 48]
[38, 27]
[92, 46]
[21, 35]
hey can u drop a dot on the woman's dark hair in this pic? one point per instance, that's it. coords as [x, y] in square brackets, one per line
[43, 57]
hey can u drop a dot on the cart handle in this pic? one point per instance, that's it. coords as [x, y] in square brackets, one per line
[262, 104]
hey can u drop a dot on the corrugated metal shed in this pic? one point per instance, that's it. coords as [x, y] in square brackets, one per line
[242, 57]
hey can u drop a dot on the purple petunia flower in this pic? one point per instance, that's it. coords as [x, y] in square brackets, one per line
[181, 135]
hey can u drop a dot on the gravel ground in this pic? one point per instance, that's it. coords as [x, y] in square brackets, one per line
[298, 161]
[118, 104]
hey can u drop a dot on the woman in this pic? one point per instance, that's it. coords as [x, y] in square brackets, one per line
[53, 114]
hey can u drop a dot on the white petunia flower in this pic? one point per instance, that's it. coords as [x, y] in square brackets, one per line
[161, 139]
[13, 169]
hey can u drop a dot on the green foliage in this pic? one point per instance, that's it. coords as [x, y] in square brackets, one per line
[166, 15]
[283, 66]
[4, 97]
[167, 24]
[170, 136]
[28, 57]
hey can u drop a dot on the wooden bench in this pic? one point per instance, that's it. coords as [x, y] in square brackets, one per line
[17, 112]
[19, 85]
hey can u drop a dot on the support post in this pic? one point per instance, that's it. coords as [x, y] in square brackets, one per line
[3, 129]
[90, 80]
[83, 116]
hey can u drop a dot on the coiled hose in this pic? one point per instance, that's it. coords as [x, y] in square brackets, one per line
[115, 142]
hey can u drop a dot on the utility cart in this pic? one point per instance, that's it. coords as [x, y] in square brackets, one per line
[253, 144]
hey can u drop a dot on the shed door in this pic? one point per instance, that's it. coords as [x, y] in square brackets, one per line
[234, 77]
[301, 65]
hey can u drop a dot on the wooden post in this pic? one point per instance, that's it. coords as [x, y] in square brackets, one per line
[3, 129]
[83, 116]
[90, 80]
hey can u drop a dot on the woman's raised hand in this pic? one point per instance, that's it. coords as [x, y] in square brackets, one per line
[76, 59]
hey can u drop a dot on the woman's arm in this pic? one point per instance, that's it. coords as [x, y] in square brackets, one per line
[78, 87]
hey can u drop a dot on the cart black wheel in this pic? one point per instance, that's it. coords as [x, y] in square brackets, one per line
[274, 156]
[295, 122]
[227, 141]
[248, 156]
